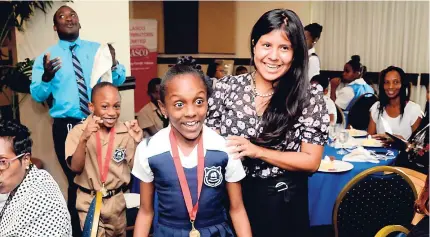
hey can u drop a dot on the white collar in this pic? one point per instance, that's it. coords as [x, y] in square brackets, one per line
[311, 51]
[359, 81]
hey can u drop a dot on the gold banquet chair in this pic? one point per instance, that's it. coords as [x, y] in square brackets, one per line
[373, 199]
[387, 230]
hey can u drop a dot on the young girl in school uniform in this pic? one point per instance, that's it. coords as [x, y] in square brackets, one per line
[355, 85]
[188, 166]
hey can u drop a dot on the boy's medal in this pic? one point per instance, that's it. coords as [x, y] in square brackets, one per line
[104, 191]
[104, 167]
[192, 211]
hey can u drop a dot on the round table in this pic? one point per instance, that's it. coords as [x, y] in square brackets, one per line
[323, 188]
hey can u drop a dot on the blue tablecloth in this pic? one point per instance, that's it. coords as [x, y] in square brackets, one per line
[325, 187]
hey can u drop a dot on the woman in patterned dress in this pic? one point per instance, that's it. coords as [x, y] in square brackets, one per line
[276, 122]
[35, 205]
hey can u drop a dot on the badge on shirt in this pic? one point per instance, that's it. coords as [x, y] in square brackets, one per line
[119, 155]
[213, 176]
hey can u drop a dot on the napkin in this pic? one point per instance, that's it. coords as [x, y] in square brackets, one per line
[102, 66]
[360, 155]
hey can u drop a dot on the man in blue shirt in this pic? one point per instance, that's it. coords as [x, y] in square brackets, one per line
[63, 72]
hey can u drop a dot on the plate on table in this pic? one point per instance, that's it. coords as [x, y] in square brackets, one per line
[334, 166]
[357, 133]
[369, 142]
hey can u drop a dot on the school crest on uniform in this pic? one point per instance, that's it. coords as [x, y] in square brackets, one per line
[119, 155]
[213, 176]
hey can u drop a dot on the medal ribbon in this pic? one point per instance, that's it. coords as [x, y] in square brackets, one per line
[104, 169]
[192, 211]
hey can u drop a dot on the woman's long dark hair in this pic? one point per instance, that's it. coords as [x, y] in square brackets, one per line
[290, 94]
[404, 96]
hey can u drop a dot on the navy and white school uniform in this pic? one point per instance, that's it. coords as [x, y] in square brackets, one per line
[154, 163]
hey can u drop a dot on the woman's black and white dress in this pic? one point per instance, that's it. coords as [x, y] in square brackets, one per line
[36, 209]
[273, 211]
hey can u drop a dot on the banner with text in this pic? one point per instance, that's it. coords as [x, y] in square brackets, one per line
[143, 57]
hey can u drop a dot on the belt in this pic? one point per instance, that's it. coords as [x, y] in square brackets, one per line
[69, 122]
[110, 193]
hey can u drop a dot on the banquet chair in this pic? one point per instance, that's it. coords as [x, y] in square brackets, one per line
[359, 115]
[373, 199]
[390, 229]
[340, 117]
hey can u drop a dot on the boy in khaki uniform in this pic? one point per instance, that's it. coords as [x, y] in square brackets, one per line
[101, 131]
[150, 118]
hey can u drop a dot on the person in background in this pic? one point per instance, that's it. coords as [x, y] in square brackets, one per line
[277, 123]
[353, 72]
[215, 72]
[150, 118]
[241, 70]
[63, 72]
[414, 154]
[394, 112]
[35, 205]
[312, 35]
[331, 107]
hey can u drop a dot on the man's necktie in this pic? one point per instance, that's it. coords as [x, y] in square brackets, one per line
[80, 81]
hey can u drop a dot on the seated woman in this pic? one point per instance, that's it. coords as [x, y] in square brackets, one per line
[415, 153]
[356, 86]
[394, 113]
[35, 205]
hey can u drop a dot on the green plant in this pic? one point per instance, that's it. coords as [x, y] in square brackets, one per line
[15, 13]
[17, 77]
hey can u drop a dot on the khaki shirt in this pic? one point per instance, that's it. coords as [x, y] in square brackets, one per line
[120, 165]
[147, 117]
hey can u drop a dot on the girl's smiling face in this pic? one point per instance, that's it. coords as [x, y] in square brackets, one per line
[186, 105]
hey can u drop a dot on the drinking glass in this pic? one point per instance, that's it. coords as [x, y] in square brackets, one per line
[331, 135]
[343, 138]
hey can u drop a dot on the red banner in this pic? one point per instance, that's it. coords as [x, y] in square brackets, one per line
[143, 57]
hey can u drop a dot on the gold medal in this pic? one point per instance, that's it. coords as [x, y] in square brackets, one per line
[194, 232]
[104, 191]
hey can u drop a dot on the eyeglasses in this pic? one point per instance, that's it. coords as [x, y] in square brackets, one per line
[5, 163]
